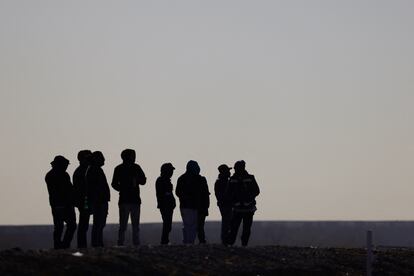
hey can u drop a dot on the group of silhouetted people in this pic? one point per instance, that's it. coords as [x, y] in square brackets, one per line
[90, 194]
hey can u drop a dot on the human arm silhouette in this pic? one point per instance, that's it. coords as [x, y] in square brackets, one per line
[141, 178]
[115, 180]
[256, 189]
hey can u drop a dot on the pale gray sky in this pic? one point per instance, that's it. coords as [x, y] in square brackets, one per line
[317, 97]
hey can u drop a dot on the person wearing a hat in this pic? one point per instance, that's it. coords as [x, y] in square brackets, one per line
[220, 189]
[99, 195]
[127, 178]
[80, 197]
[61, 201]
[165, 200]
[242, 192]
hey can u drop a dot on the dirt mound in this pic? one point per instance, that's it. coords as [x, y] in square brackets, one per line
[204, 260]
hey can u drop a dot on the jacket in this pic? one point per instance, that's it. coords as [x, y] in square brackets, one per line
[164, 191]
[126, 180]
[97, 186]
[79, 186]
[60, 188]
[189, 190]
[220, 190]
[242, 192]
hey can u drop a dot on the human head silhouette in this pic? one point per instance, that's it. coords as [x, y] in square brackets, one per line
[84, 157]
[193, 167]
[167, 170]
[224, 170]
[128, 156]
[98, 159]
[240, 167]
[60, 163]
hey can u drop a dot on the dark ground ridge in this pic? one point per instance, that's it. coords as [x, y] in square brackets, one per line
[206, 260]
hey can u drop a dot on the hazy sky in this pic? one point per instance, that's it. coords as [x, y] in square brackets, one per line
[317, 97]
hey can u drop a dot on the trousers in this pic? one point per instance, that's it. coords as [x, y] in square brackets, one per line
[62, 215]
[237, 218]
[99, 213]
[167, 215]
[201, 220]
[226, 213]
[83, 226]
[126, 210]
[189, 217]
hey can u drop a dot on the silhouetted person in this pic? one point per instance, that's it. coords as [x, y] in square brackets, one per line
[189, 189]
[98, 196]
[165, 200]
[126, 180]
[203, 211]
[243, 190]
[80, 196]
[61, 201]
[223, 202]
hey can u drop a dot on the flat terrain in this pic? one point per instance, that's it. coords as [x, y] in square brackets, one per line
[342, 234]
[205, 260]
